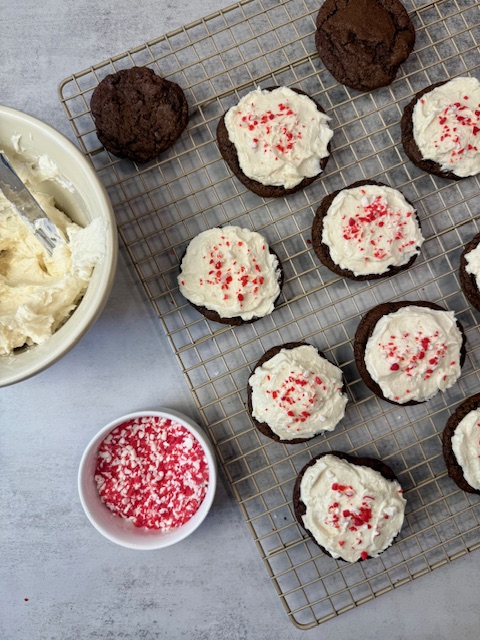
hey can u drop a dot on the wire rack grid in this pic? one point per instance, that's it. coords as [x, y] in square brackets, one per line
[160, 206]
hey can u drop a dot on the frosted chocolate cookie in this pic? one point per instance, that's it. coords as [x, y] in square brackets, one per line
[363, 42]
[461, 445]
[295, 393]
[441, 128]
[275, 140]
[407, 351]
[367, 230]
[138, 114]
[352, 507]
[469, 272]
[231, 275]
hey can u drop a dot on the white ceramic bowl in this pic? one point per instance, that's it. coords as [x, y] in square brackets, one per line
[89, 200]
[122, 531]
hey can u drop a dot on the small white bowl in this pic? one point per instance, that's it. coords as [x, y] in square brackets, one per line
[87, 200]
[123, 531]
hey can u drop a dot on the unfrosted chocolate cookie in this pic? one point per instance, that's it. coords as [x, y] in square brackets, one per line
[468, 281]
[229, 152]
[138, 114]
[363, 42]
[455, 470]
[373, 234]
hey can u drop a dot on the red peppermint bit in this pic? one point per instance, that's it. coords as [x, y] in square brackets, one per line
[340, 487]
[395, 366]
[342, 542]
[364, 555]
[152, 471]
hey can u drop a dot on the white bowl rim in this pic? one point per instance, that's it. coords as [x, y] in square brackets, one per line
[155, 541]
[91, 314]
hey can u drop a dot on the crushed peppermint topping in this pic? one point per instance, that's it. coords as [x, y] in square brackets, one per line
[378, 224]
[237, 278]
[277, 130]
[416, 354]
[458, 124]
[347, 517]
[296, 395]
[446, 126]
[152, 471]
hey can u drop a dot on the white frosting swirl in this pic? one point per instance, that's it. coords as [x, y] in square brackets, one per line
[297, 393]
[280, 136]
[446, 126]
[414, 352]
[351, 510]
[370, 228]
[472, 266]
[466, 447]
[38, 291]
[230, 270]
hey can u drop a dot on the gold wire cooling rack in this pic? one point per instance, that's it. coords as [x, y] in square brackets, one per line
[162, 205]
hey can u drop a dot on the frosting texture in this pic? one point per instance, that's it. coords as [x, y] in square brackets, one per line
[466, 447]
[351, 510]
[472, 259]
[414, 352]
[446, 126]
[297, 393]
[370, 228]
[39, 291]
[280, 136]
[231, 270]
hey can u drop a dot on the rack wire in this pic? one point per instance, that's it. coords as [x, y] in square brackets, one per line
[160, 206]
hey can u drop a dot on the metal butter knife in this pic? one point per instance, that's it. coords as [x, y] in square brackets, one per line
[27, 207]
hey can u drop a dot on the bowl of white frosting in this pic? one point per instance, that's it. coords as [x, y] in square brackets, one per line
[49, 301]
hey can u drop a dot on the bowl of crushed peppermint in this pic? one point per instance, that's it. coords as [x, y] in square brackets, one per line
[147, 479]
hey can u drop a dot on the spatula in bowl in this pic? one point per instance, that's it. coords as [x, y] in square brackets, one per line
[27, 207]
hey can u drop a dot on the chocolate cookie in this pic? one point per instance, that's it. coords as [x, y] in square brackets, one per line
[229, 152]
[236, 321]
[300, 508]
[408, 141]
[234, 271]
[368, 231]
[468, 281]
[440, 128]
[138, 114]
[298, 397]
[363, 42]
[365, 329]
[454, 469]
